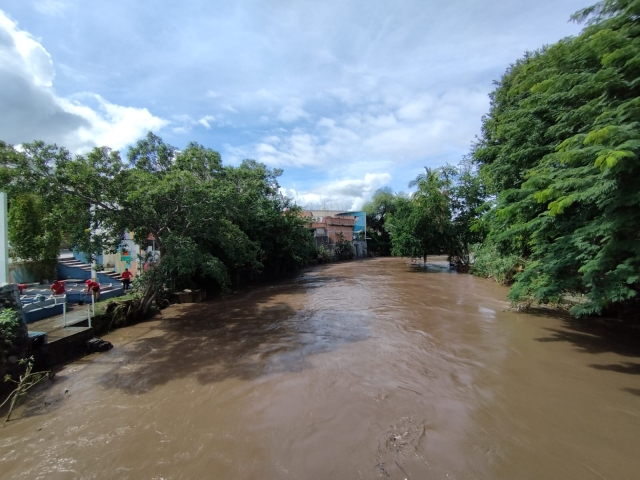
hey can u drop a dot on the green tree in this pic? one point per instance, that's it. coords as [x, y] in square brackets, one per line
[560, 148]
[377, 210]
[421, 225]
[209, 221]
[35, 234]
[468, 202]
[343, 249]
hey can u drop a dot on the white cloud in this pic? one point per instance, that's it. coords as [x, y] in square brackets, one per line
[19, 51]
[292, 112]
[204, 121]
[31, 109]
[345, 194]
[400, 128]
[53, 8]
[109, 124]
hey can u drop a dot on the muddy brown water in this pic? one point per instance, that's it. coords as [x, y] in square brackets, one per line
[370, 369]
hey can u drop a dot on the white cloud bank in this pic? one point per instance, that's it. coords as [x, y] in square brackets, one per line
[345, 194]
[31, 110]
[396, 130]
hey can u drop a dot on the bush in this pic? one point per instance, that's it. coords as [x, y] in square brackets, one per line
[344, 249]
[9, 332]
[490, 263]
[324, 255]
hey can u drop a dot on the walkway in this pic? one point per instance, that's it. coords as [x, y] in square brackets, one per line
[55, 328]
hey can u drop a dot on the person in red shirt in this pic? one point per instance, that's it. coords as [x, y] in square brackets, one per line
[94, 289]
[126, 279]
[22, 287]
[57, 287]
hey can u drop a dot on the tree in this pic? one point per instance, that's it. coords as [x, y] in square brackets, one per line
[421, 225]
[35, 234]
[343, 249]
[209, 221]
[561, 148]
[377, 210]
[468, 202]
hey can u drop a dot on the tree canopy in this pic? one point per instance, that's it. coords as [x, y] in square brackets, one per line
[209, 221]
[560, 150]
[437, 218]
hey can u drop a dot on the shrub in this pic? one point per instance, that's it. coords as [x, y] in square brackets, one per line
[323, 254]
[490, 263]
[9, 331]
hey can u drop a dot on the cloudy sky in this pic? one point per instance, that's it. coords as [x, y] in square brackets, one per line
[345, 95]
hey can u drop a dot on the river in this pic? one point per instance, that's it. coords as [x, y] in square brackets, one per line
[369, 369]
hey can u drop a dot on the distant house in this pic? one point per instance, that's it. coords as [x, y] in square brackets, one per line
[128, 255]
[329, 225]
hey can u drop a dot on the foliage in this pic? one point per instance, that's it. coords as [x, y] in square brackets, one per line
[343, 249]
[422, 225]
[468, 201]
[489, 263]
[323, 254]
[26, 381]
[560, 149]
[9, 331]
[209, 221]
[34, 221]
[377, 210]
[34, 233]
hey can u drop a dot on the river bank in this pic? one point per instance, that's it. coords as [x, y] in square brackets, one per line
[371, 369]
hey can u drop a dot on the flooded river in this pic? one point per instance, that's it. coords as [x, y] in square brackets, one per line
[370, 369]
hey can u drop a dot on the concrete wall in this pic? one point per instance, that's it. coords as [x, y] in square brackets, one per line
[361, 248]
[27, 272]
[125, 257]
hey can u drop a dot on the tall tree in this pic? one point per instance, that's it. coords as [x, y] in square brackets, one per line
[421, 225]
[208, 220]
[468, 202]
[378, 210]
[561, 149]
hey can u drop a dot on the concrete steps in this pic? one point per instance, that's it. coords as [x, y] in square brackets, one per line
[84, 268]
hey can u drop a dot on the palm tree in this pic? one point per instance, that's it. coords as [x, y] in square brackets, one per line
[429, 177]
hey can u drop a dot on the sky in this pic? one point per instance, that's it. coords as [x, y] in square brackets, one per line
[346, 96]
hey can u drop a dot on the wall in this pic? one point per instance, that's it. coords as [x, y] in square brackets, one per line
[22, 272]
[360, 224]
[125, 257]
[360, 248]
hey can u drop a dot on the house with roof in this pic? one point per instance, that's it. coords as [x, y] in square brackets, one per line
[330, 225]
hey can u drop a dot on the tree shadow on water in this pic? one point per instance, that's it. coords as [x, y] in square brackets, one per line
[595, 337]
[234, 338]
[629, 368]
[601, 336]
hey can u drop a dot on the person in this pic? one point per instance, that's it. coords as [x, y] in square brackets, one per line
[57, 287]
[93, 288]
[21, 288]
[126, 279]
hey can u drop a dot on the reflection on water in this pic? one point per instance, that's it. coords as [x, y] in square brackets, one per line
[371, 369]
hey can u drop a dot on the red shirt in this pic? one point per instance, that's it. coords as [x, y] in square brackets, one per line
[126, 275]
[57, 288]
[91, 285]
[22, 287]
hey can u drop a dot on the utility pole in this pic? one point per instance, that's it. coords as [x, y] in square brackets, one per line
[4, 240]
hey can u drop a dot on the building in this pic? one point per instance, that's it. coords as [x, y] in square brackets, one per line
[330, 225]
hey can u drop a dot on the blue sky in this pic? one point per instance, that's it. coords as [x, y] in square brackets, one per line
[346, 96]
